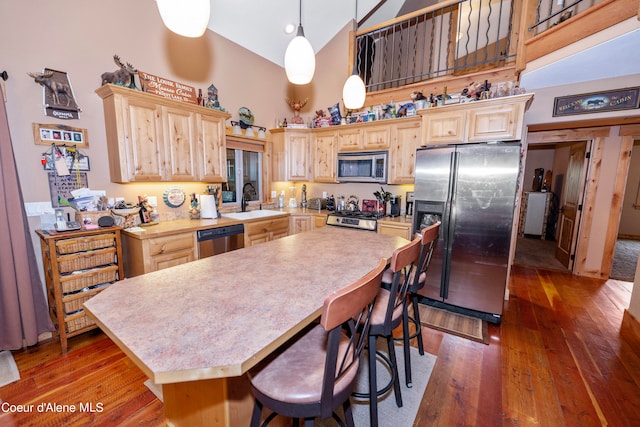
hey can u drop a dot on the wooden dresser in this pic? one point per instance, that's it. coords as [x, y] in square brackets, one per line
[77, 266]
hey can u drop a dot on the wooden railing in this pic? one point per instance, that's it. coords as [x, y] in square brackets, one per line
[457, 42]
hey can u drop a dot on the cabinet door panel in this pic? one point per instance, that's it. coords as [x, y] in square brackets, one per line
[494, 124]
[376, 138]
[211, 149]
[324, 157]
[180, 141]
[144, 141]
[297, 152]
[350, 140]
[444, 128]
[402, 154]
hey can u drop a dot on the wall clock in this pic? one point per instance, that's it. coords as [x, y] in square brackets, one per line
[174, 197]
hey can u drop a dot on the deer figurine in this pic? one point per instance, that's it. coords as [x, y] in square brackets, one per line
[124, 76]
[55, 87]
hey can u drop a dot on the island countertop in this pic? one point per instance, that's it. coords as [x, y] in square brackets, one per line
[219, 316]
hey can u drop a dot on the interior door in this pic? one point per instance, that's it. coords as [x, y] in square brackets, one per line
[569, 215]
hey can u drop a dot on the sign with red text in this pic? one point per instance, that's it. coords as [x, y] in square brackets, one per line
[167, 88]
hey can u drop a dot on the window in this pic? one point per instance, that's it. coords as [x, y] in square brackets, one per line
[244, 176]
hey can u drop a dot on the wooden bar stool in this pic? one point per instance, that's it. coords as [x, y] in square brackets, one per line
[315, 374]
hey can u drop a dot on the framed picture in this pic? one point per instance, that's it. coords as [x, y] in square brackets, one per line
[596, 102]
[47, 134]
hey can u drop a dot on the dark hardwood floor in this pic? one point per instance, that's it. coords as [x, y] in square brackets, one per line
[557, 359]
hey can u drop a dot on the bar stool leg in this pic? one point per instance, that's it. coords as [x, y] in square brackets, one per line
[394, 366]
[373, 383]
[405, 343]
[416, 316]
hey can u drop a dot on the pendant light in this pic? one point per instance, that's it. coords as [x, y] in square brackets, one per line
[354, 92]
[299, 59]
[186, 18]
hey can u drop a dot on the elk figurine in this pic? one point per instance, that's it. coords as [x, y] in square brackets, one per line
[55, 87]
[125, 76]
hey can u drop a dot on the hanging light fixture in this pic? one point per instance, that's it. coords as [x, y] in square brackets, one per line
[354, 92]
[299, 59]
[186, 18]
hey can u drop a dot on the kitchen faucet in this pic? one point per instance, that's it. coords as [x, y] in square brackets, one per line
[246, 194]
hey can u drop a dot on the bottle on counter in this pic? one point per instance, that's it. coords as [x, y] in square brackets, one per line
[281, 200]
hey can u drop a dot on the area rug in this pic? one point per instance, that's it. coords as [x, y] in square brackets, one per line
[8, 369]
[388, 413]
[625, 259]
[454, 323]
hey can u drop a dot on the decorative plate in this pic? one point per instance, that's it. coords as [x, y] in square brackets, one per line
[174, 197]
[246, 117]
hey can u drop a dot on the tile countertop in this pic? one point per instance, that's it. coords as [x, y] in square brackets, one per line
[219, 316]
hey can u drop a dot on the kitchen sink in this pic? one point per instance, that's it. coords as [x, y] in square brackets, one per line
[252, 214]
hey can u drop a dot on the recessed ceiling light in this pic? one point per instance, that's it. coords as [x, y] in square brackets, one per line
[290, 28]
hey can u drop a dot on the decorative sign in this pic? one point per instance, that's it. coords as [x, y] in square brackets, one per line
[47, 134]
[167, 88]
[596, 102]
[60, 187]
[57, 94]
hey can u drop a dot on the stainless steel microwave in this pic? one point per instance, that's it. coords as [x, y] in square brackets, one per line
[363, 167]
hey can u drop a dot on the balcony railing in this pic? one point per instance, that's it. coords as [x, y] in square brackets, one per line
[455, 38]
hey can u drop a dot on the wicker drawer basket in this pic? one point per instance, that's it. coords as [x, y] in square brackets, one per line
[73, 303]
[77, 322]
[86, 243]
[95, 276]
[85, 260]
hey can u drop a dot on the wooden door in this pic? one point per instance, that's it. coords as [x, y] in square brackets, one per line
[570, 204]
[181, 144]
[212, 155]
[143, 140]
[402, 154]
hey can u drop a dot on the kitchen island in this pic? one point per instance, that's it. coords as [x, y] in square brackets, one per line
[198, 328]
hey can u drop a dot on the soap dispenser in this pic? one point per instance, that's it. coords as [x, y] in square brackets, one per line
[281, 200]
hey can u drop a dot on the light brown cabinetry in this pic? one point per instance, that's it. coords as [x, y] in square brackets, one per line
[363, 137]
[265, 230]
[291, 155]
[77, 266]
[300, 223]
[157, 253]
[152, 138]
[324, 152]
[498, 119]
[406, 136]
[395, 228]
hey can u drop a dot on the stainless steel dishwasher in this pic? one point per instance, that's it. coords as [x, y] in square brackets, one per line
[215, 241]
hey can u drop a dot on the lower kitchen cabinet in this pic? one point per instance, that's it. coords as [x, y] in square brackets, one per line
[157, 253]
[300, 223]
[265, 230]
[77, 266]
[395, 227]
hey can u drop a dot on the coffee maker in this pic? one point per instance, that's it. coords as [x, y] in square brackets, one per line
[395, 205]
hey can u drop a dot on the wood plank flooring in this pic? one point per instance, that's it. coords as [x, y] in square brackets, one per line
[557, 359]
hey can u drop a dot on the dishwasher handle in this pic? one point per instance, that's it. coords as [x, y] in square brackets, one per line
[215, 233]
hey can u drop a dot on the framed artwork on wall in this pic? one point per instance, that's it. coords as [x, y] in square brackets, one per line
[47, 134]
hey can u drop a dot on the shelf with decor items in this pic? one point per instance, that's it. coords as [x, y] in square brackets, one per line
[78, 265]
[151, 138]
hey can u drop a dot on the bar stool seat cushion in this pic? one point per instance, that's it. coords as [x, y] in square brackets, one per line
[296, 375]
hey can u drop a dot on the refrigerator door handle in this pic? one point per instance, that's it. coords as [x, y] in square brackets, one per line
[449, 226]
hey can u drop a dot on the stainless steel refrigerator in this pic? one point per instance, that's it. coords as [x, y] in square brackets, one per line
[471, 189]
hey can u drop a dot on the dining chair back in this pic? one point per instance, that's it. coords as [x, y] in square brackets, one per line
[317, 372]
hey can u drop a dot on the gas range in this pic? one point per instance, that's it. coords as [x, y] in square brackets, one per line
[360, 220]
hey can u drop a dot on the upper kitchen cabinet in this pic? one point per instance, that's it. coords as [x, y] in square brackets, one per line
[363, 137]
[406, 135]
[497, 119]
[291, 155]
[152, 138]
[323, 146]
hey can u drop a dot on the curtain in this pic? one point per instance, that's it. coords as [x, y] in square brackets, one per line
[24, 313]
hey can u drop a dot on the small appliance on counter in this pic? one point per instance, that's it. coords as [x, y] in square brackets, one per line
[395, 205]
[317, 203]
[409, 204]
[331, 203]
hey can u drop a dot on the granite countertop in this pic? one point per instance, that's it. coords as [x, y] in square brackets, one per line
[219, 316]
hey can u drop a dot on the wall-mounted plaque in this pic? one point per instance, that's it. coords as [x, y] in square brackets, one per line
[596, 102]
[167, 88]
